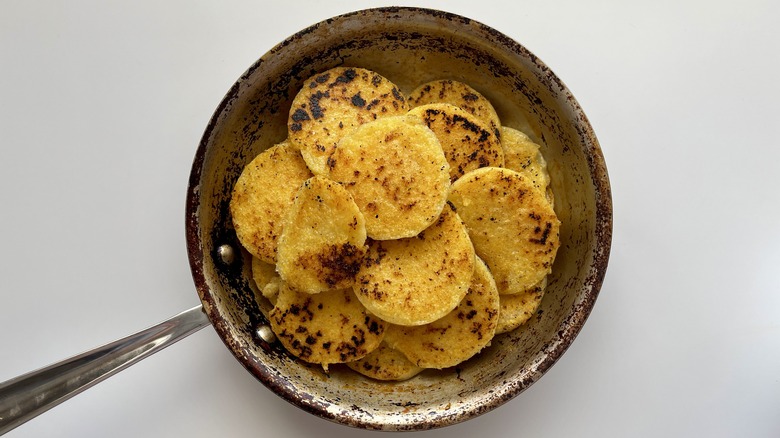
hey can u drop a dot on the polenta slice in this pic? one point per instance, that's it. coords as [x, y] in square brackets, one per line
[262, 194]
[324, 238]
[513, 227]
[335, 102]
[467, 142]
[460, 95]
[417, 280]
[385, 363]
[518, 308]
[325, 328]
[266, 279]
[522, 155]
[397, 173]
[460, 334]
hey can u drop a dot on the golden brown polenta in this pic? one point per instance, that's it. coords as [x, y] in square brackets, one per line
[395, 240]
[324, 238]
[518, 308]
[385, 363]
[396, 171]
[261, 196]
[522, 155]
[417, 280]
[266, 279]
[325, 328]
[334, 103]
[466, 141]
[513, 227]
[460, 95]
[460, 334]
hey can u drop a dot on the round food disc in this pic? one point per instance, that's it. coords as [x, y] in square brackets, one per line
[513, 227]
[396, 171]
[417, 280]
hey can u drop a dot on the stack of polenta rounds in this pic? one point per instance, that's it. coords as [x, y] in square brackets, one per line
[395, 233]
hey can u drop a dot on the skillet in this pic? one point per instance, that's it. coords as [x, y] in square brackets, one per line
[409, 46]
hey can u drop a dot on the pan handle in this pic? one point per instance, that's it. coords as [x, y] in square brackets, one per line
[24, 397]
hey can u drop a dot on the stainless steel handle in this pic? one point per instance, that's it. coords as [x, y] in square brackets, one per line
[24, 397]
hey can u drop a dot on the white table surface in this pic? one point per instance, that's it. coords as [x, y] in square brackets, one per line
[102, 105]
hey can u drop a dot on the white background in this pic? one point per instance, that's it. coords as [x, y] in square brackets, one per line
[102, 105]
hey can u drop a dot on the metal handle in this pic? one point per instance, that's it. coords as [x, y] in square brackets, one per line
[24, 397]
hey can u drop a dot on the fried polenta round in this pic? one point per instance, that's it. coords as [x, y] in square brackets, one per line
[396, 171]
[522, 155]
[460, 95]
[460, 334]
[325, 328]
[417, 280]
[323, 240]
[387, 364]
[262, 194]
[266, 279]
[467, 142]
[513, 227]
[335, 102]
[518, 308]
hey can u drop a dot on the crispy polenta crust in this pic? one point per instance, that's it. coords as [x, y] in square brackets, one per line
[518, 308]
[466, 141]
[324, 238]
[396, 171]
[522, 155]
[513, 227]
[325, 328]
[334, 103]
[417, 280]
[460, 334]
[385, 363]
[460, 95]
[261, 196]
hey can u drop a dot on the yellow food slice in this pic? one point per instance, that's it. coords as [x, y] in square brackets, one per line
[518, 308]
[417, 280]
[460, 95]
[325, 328]
[457, 336]
[513, 227]
[522, 155]
[324, 238]
[467, 142]
[262, 194]
[385, 363]
[396, 171]
[335, 102]
[266, 279]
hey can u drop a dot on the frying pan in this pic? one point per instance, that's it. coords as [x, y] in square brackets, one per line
[409, 46]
